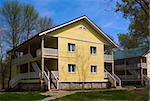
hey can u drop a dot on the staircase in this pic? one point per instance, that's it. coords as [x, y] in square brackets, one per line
[49, 77]
[113, 79]
[146, 80]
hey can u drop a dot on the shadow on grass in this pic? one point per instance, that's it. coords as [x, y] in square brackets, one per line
[106, 95]
[21, 96]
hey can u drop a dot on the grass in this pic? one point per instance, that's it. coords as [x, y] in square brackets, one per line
[134, 95]
[21, 96]
[140, 94]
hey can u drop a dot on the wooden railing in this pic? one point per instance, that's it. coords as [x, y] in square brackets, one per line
[55, 78]
[146, 80]
[108, 57]
[111, 79]
[21, 59]
[48, 52]
[34, 75]
[131, 66]
[23, 76]
[118, 80]
[130, 77]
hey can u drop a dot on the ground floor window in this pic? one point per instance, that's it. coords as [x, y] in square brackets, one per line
[93, 68]
[71, 68]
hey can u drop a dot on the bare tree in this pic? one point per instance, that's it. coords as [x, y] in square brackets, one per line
[44, 23]
[11, 12]
[30, 16]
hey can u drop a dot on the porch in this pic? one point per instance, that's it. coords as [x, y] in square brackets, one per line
[37, 61]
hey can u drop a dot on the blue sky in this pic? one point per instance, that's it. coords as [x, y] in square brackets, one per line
[101, 12]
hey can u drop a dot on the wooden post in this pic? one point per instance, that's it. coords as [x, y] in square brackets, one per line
[113, 68]
[28, 62]
[18, 66]
[42, 62]
[125, 69]
[141, 71]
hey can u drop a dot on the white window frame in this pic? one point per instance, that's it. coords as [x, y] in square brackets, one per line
[70, 68]
[71, 47]
[93, 69]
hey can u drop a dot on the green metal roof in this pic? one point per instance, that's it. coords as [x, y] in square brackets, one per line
[130, 53]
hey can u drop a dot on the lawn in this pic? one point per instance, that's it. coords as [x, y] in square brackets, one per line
[21, 96]
[134, 95]
[140, 94]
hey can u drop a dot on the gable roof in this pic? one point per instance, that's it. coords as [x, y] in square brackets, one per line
[131, 53]
[68, 23]
[78, 19]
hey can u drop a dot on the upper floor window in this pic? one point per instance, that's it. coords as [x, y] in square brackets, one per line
[93, 50]
[71, 47]
[93, 69]
[71, 68]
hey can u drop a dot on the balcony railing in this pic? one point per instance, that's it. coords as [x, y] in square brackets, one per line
[130, 77]
[48, 52]
[131, 66]
[21, 59]
[108, 57]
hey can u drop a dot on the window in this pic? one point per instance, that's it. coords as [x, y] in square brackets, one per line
[71, 68]
[93, 50]
[71, 47]
[93, 69]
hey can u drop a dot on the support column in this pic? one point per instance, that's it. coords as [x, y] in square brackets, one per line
[142, 82]
[113, 67]
[125, 66]
[18, 66]
[42, 63]
[29, 62]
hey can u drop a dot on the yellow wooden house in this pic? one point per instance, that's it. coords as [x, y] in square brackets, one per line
[70, 55]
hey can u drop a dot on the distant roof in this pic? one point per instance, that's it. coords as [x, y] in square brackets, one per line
[130, 53]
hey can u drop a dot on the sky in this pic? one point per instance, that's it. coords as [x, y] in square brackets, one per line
[101, 12]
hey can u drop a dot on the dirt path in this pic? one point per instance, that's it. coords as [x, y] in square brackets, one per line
[60, 93]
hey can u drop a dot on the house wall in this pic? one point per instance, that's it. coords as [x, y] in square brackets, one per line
[148, 64]
[83, 39]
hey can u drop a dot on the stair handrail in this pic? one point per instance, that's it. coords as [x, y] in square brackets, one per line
[56, 78]
[111, 78]
[146, 78]
[46, 76]
[117, 79]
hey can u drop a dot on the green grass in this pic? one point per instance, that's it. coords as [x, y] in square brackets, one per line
[135, 95]
[21, 96]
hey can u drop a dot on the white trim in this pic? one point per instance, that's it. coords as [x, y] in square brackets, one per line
[84, 81]
[83, 17]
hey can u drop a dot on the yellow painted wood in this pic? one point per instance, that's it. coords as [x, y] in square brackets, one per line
[113, 66]
[148, 64]
[83, 39]
[141, 72]
[42, 59]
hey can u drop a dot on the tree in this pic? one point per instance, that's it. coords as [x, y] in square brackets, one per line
[126, 41]
[137, 11]
[30, 16]
[44, 23]
[11, 12]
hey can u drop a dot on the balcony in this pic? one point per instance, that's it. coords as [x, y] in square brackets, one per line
[130, 77]
[21, 59]
[47, 52]
[108, 57]
[131, 66]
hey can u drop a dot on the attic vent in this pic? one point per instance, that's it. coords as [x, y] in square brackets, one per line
[83, 28]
